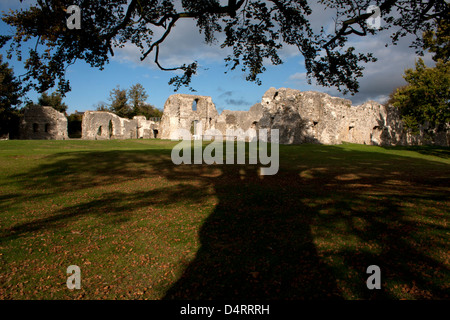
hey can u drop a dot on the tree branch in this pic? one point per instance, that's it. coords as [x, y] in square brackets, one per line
[159, 66]
[232, 7]
[124, 22]
[347, 23]
[164, 36]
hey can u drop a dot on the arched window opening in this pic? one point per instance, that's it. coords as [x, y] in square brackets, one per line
[194, 105]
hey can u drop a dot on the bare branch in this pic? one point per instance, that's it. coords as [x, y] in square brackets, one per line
[227, 10]
[347, 23]
[159, 66]
[164, 36]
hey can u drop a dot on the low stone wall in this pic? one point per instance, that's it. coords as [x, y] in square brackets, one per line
[102, 125]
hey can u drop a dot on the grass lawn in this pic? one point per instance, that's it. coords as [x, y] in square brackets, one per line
[140, 227]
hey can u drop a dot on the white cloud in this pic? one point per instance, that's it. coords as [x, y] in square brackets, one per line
[379, 78]
[184, 45]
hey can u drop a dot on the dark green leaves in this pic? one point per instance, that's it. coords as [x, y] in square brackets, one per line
[254, 30]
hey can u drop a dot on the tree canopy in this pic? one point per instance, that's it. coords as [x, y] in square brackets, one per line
[426, 98]
[438, 42]
[149, 111]
[53, 100]
[129, 103]
[137, 97]
[10, 96]
[254, 30]
[119, 102]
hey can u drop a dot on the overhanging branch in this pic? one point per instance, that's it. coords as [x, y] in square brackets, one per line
[164, 36]
[230, 10]
[161, 67]
[347, 23]
[125, 21]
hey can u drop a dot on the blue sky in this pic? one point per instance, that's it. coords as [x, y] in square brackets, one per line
[228, 91]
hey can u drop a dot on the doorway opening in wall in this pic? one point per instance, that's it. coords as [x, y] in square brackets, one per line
[194, 105]
[155, 133]
[350, 133]
[110, 129]
[47, 127]
[99, 131]
[35, 127]
[194, 127]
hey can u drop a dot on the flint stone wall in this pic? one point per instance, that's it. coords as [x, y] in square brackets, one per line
[300, 117]
[331, 120]
[184, 111]
[102, 125]
[43, 123]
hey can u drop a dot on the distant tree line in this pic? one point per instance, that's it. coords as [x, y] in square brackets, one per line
[124, 103]
[53, 100]
[130, 103]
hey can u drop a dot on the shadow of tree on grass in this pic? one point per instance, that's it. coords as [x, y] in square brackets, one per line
[309, 232]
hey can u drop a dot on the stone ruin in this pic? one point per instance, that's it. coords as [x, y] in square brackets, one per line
[190, 112]
[44, 123]
[102, 125]
[300, 117]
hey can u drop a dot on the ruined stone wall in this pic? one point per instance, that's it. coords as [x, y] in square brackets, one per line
[233, 120]
[300, 117]
[43, 123]
[147, 129]
[102, 125]
[184, 111]
[317, 117]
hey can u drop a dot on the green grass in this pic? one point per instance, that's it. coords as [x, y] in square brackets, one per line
[140, 227]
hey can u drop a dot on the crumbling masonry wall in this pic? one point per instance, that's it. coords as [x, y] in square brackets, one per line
[190, 112]
[43, 123]
[300, 117]
[101, 125]
[317, 117]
